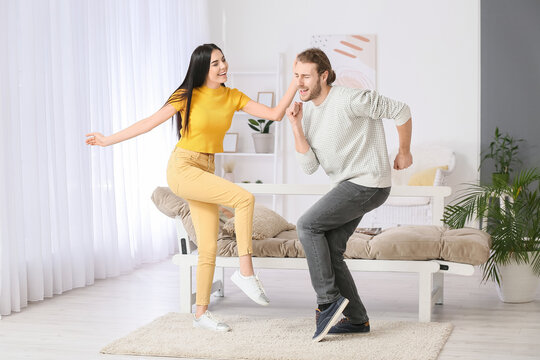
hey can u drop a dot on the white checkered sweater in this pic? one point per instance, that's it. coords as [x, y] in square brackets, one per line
[346, 136]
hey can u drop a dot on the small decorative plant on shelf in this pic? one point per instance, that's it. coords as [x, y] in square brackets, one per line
[503, 151]
[510, 213]
[263, 139]
[262, 126]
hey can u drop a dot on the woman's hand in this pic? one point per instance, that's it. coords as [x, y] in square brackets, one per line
[96, 138]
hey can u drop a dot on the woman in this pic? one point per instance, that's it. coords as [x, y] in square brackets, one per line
[205, 108]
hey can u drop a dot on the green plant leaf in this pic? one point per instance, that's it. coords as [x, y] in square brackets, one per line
[503, 151]
[267, 127]
[512, 214]
[254, 128]
[252, 121]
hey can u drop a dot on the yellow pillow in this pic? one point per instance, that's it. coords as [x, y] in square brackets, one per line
[425, 177]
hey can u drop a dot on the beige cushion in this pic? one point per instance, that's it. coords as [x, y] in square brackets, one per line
[426, 242]
[172, 205]
[407, 243]
[286, 244]
[358, 247]
[421, 242]
[168, 203]
[466, 245]
[266, 224]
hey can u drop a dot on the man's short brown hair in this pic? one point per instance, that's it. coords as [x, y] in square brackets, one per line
[318, 57]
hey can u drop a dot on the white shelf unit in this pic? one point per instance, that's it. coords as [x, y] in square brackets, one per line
[249, 165]
[244, 154]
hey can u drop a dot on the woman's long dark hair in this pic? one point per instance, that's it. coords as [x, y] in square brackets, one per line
[199, 66]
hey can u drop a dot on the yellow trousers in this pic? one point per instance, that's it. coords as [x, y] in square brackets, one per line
[191, 176]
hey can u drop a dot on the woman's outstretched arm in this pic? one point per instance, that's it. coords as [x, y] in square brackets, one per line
[275, 113]
[140, 127]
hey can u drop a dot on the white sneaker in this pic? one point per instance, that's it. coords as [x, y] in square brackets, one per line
[251, 286]
[208, 322]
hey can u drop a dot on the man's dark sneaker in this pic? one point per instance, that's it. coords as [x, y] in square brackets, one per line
[345, 326]
[328, 317]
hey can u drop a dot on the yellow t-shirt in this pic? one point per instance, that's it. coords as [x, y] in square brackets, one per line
[210, 117]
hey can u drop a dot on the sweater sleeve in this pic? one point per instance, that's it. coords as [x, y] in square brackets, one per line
[369, 103]
[308, 161]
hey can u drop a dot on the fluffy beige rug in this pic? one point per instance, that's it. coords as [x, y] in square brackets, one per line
[279, 339]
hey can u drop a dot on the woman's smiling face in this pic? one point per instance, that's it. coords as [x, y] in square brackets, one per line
[217, 73]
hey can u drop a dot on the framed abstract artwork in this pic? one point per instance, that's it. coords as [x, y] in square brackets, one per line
[353, 58]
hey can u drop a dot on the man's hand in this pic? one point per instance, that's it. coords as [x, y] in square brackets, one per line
[403, 160]
[294, 113]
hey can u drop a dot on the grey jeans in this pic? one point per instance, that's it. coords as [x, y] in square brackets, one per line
[324, 230]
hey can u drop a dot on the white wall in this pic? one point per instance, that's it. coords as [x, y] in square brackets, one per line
[428, 56]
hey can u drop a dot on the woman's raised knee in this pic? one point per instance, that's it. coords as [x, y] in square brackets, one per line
[246, 199]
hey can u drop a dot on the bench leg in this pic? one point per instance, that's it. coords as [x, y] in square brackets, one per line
[424, 296]
[438, 282]
[219, 277]
[185, 289]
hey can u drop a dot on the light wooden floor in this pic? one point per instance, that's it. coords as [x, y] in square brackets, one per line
[77, 324]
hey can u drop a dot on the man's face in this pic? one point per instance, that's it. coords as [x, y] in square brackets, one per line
[308, 81]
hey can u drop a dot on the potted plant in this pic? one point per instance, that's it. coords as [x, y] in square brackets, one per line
[502, 150]
[512, 212]
[263, 139]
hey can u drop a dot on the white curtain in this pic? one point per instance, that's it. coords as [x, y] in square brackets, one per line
[69, 213]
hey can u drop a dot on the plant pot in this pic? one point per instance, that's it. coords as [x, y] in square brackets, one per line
[264, 143]
[500, 178]
[518, 282]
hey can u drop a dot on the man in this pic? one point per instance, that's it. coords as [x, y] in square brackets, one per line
[341, 130]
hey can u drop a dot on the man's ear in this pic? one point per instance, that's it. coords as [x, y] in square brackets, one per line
[324, 76]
